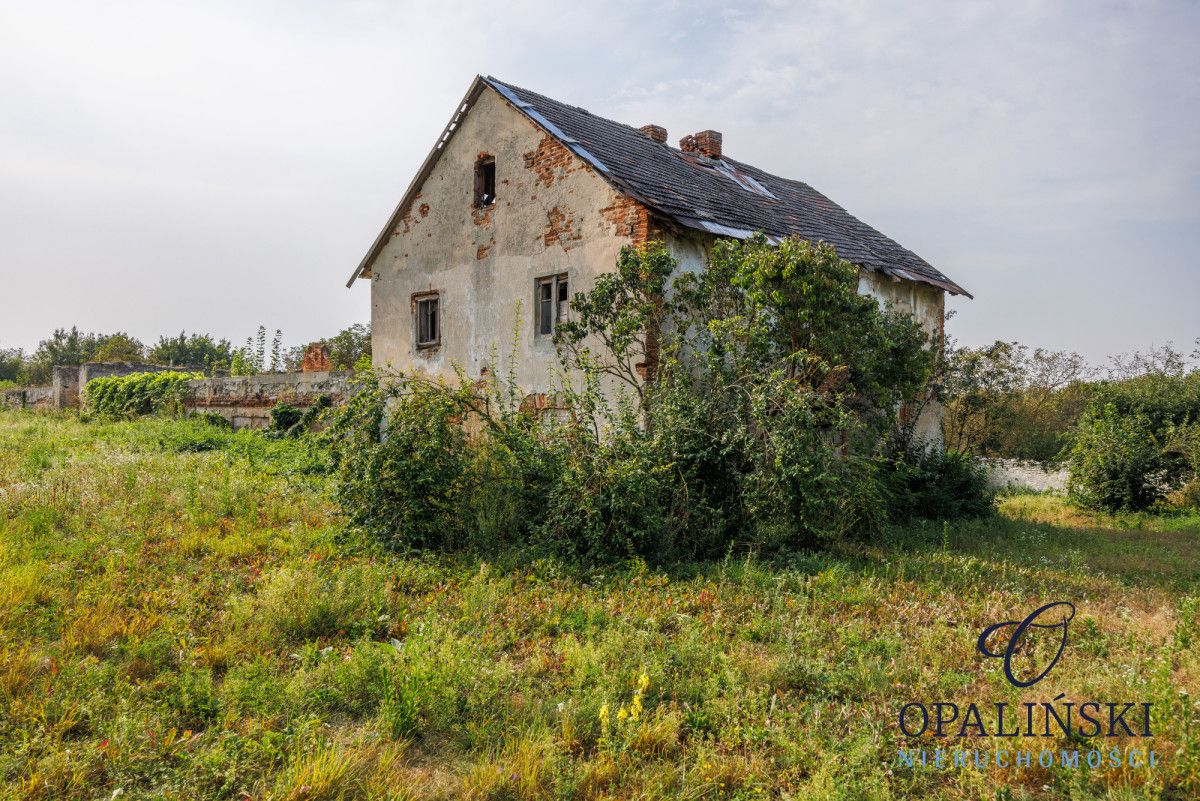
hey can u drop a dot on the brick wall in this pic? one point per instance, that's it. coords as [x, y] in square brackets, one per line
[247, 401]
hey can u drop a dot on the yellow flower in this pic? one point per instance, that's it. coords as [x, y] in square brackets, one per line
[622, 714]
[643, 683]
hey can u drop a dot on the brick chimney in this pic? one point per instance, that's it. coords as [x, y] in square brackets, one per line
[316, 358]
[655, 132]
[706, 143]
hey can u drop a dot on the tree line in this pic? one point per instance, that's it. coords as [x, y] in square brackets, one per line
[195, 351]
[1128, 431]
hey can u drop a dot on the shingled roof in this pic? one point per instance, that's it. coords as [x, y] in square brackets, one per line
[718, 195]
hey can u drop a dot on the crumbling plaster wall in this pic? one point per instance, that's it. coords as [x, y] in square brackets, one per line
[553, 214]
[247, 401]
[928, 305]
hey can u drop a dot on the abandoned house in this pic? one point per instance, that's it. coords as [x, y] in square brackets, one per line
[524, 200]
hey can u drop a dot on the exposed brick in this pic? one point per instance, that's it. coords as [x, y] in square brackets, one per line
[629, 218]
[560, 229]
[706, 143]
[424, 209]
[482, 252]
[655, 132]
[482, 215]
[551, 161]
[316, 358]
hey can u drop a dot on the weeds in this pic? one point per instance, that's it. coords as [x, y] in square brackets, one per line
[179, 623]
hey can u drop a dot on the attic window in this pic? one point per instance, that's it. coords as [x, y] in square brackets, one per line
[485, 181]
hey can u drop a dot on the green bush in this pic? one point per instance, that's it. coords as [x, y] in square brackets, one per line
[1133, 446]
[402, 463]
[927, 483]
[748, 407]
[1115, 462]
[293, 421]
[137, 394]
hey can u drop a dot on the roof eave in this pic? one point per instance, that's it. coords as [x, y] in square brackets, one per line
[717, 229]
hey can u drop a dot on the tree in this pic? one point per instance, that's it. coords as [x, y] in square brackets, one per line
[195, 350]
[118, 347]
[62, 347]
[1003, 400]
[766, 387]
[12, 365]
[348, 346]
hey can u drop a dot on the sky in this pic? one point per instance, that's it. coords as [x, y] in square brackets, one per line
[218, 166]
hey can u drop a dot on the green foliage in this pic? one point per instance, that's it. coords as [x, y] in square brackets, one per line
[348, 346]
[12, 366]
[254, 357]
[72, 348]
[292, 421]
[119, 347]
[137, 394]
[1134, 444]
[200, 351]
[402, 461]
[1183, 445]
[1006, 401]
[623, 315]
[1114, 462]
[284, 417]
[926, 483]
[750, 406]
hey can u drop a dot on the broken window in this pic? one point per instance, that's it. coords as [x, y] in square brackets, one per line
[429, 332]
[552, 302]
[485, 181]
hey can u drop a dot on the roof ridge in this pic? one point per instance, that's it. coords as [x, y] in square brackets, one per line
[672, 184]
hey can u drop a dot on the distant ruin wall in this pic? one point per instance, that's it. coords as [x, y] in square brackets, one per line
[1013, 474]
[247, 401]
[67, 382]
[27, 398]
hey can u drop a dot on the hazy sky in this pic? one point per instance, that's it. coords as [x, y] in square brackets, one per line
[220, 165]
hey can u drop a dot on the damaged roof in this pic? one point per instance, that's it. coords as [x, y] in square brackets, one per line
[718, 195]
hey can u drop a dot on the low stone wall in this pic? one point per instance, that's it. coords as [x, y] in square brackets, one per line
[70, 381]
[28, 398]
[247, 401]
[1010, 473]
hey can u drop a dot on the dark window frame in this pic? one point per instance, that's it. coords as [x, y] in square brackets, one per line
[485, 181]
[551, 302]
[427, 326]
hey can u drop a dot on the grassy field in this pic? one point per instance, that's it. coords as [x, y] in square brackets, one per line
[182, 616]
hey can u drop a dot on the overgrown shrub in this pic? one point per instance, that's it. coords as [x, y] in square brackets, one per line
[1133, 444]
[1114, 462]
[751, 406]
[402, 456]
[930, 484]
[293, 421]
[137, 394]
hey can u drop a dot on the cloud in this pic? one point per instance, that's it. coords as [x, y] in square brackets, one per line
[221, 165]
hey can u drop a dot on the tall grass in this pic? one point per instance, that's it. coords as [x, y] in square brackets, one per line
[184, 621]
